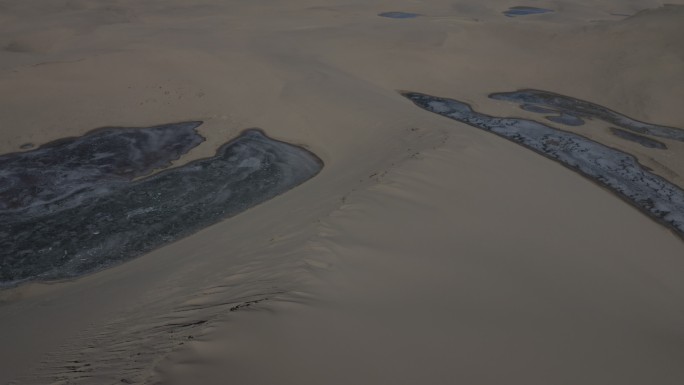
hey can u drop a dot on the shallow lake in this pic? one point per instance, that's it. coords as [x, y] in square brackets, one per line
[76, 205]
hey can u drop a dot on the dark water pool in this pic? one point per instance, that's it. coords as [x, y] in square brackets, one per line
[636, 138]
[73, 206]
[566, 119]
[523, 10]
[399, 15]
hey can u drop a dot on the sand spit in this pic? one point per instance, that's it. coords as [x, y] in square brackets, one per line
[425, 251]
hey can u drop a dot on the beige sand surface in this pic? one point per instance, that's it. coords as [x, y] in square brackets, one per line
[426, 251]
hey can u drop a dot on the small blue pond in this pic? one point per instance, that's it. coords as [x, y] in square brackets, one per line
[522, 11]
[399, 15]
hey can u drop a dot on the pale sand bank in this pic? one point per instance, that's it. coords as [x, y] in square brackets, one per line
[424, 252]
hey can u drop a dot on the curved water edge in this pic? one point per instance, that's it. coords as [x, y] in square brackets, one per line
[566, 119]
[108, 218]
[544, 101]
[639, 139]
[611, 168]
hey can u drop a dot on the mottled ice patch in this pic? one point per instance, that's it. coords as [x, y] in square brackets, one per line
[616, 170]
[582, 109]
[537, 109]
[100, 215]
[58, 174]
[399, 15]
[522, 11]
[250, 163]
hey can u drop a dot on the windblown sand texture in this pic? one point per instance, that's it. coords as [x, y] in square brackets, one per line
[426, 251]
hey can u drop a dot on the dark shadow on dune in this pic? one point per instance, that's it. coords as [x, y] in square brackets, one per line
[611, 168]
[73, 207]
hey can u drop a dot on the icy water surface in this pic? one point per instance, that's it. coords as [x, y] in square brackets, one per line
[522, 11]
[613, 169]
[73, 207]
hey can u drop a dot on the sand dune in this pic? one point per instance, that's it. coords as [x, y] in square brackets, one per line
[425, 251]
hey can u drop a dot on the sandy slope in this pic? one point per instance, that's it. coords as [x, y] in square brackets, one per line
[426, 251]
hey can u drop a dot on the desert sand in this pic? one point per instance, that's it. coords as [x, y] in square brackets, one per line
[426, 251]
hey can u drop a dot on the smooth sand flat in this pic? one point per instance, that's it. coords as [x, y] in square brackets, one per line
[426, 251]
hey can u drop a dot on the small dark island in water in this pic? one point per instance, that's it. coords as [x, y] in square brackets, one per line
[611, 168]
[78, 205]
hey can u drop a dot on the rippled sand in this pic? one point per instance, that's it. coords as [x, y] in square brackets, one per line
[426, 251]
